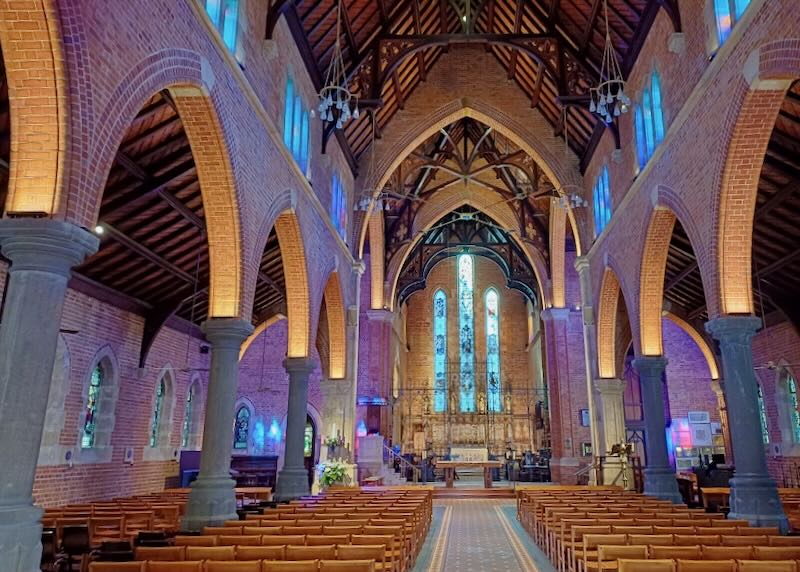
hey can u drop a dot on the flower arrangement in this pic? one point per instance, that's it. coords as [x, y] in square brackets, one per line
[331, 442]
[334, 473]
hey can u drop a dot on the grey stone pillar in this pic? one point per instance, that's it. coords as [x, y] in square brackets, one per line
[213, 499]
[293, 477]
[590, 356]
[754, 494]
[659, 477]
[42, 252]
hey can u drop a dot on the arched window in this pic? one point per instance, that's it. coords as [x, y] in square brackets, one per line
[92, 406]
[241, 430]
[338, 210]
[296, 126]
[602, 201]
[649, 120]
[762, 413]
[791, 387]
[466, 333]
[191, 407]
[726, 14]
[224, 14]
[493, 388]
[158, 406]
[439, 351]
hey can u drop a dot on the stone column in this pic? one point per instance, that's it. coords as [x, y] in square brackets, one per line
[42, 252]
[564, 464]
[718, 387]
[659, 477]
[293, 477]
[612, 411]
[212, 499]
[353, 333]
[590, 357]
[754, 494]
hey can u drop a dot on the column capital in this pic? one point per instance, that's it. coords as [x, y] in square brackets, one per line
[358, 268]
[651, 366]
[735, 329]
[555, 314]
[610, 385]
[375, 315]
[45, 245]
[718, 386]
[299, 365]
[582, 264]
[227, 332]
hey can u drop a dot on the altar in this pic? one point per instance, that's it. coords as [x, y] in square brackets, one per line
[450, 469]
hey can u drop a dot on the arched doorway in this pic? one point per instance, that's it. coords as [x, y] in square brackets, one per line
[310, 448]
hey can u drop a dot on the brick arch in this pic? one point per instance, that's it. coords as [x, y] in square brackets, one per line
[607, 324]
[444, 202]
[651, 280]
[37, 88]
[337, 335]
[183, 73]
[702, 344]
[259, 329]
[767, 75]
[298, 294]
[543, 148]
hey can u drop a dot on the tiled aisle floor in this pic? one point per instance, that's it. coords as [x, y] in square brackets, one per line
[479, 536]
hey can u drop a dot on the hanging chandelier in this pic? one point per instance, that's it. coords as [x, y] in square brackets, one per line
[335, 99]
[608, 99]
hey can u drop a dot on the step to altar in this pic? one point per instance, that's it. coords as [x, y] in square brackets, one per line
[473, 493]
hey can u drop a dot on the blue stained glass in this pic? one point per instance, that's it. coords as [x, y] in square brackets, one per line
[230, 24]
[213, 11]
[649, 130]
[741, 6]
[288, 113]
[722, 10]
[241, 429]
[466, 333]
[439, 352]
[493, 351]
[602, 201]
[297, 121]
[188, 413]
[762, 414]
[304, 143]
[641, 145]
[606, 198]
[658, 111]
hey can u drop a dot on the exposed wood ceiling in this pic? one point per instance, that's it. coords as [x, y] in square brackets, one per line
[776, 234]
[5, 136]
[576, 27]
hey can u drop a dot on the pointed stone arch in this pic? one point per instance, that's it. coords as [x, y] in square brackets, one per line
[33, 54]
[701, 342]
[337, 335]
[607, 325]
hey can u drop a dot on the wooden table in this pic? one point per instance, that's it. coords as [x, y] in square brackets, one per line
[256, 493]
[720, 495]
[450, 469]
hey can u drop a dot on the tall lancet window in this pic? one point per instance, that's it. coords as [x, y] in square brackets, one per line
[439, 352]
[493, 351]
[466, 320]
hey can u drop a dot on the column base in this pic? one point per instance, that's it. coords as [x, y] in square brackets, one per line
[755, 498]
[292, 484]
[660, 482]
[21, 538]
[211, 502]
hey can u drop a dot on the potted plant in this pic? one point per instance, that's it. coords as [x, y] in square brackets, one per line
[334, 473]
[334, 445]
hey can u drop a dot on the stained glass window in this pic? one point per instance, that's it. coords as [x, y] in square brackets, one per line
[92, 402]
[439, 352]
[792, 387]
[338, 206]
[157, 406]
[727, 13]
[466, 336]
[762, 413]
[224, 14]
[649, 121]
[308, 440]
[288, 113]
[296, 126]
[188, 412]
[242, 428]
[602, 202]
[493, 350]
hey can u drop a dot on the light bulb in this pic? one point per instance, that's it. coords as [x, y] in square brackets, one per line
[603, 99]
[356, 113]
[592, 106]
[99, 229]
[338, 103]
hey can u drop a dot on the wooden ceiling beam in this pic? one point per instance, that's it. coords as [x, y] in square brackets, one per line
[776, 200]
[348, 30]
[675, 280]
[512, 66]
[274, 11]
[587, 34]
[146, 253]
[639, 36]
